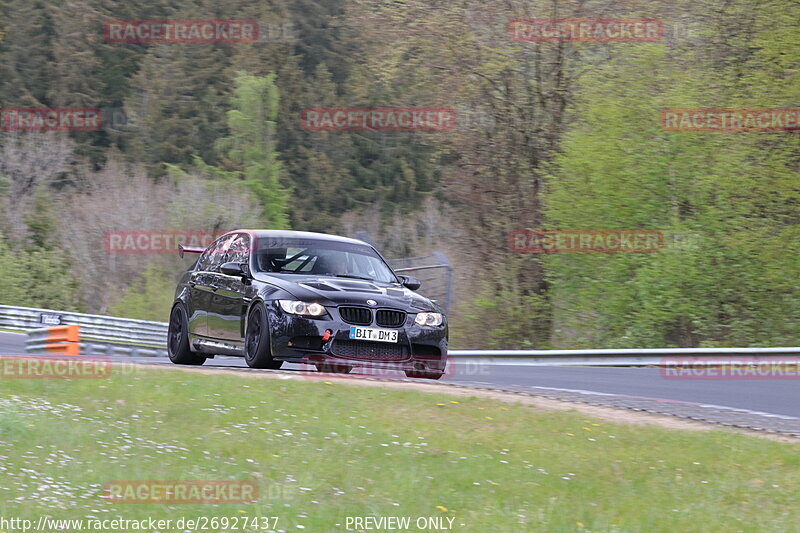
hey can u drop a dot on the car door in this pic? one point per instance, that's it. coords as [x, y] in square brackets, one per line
[226, 316]
[202, 288]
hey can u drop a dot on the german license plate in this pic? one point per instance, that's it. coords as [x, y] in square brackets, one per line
[373, 334]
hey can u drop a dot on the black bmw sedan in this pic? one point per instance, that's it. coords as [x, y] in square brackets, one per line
[274, 296]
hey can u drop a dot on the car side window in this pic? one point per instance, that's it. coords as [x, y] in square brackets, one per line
[239, 249]
[214, 256]
[220, 254]
[205, 259]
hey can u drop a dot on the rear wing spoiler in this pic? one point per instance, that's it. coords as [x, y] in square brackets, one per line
[190, 249]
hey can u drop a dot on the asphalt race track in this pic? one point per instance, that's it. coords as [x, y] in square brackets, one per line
[772, 404]
[12, 343]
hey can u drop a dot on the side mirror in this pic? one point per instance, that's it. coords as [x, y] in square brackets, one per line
[410, 282]
[232, 269]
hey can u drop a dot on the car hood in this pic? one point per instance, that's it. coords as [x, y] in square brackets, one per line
[333, 291]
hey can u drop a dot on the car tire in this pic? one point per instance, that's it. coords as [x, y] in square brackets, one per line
[334, 368]
[257, 353]
[178, 339]
[423, 375]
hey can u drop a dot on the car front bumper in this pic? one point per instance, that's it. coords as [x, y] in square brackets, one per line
[299, 339]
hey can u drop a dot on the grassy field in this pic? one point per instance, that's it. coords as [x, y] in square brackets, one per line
[322, 451]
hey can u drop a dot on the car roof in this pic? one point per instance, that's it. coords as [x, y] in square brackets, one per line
[289, 234]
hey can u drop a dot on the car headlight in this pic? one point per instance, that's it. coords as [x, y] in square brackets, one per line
[296, 307]
[429, 319]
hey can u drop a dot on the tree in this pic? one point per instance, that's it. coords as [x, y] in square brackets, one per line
[728, 202]
[250, 148]
[458, 55]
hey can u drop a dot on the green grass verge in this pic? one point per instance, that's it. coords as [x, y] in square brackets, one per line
[321, 452]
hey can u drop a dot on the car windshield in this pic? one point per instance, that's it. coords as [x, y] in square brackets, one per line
[280, 255]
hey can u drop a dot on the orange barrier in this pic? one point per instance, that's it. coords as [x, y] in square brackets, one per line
[63, 340]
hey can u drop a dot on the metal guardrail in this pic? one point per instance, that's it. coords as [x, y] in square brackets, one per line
[111, 350]
[99, 335]
[628, 351]
[626, 356]
[105, 335]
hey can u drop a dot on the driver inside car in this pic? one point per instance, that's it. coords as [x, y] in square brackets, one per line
[269, 260]
[334, 264]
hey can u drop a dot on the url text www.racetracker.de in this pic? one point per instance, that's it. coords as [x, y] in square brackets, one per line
[125, 525]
